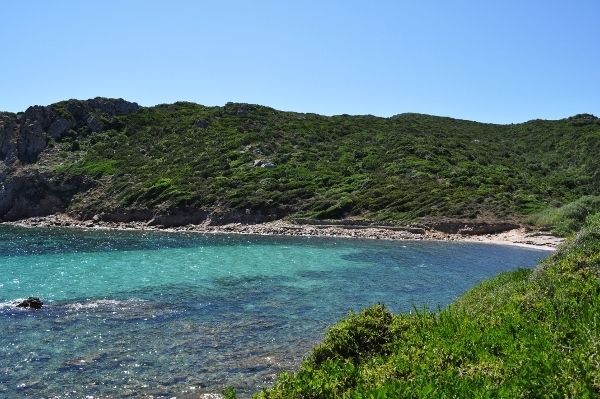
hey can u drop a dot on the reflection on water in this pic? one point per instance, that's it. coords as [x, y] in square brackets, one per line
[132, 314]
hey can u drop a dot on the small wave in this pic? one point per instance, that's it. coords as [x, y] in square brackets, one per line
[106, 303]
[76, 306]
[10, 304]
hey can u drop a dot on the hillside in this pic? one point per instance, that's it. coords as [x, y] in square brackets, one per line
[522, 334]
[187, 163]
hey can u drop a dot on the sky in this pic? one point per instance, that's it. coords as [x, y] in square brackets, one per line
[491, 61]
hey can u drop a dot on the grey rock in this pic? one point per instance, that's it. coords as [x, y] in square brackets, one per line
[31, 302]
[25, 137]
[60, 127]
[112, 106]
[119, 215]
[32, 140]
[28, 193]
[9, 132]
[37, 113]
[263, 163]
[179, 217]
[201, 123]
[6, 195]
[94, 124]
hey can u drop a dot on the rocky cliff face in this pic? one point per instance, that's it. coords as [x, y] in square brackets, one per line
[26, 189]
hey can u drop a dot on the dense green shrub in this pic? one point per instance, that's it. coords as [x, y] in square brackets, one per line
[395, 169]
[568, 218]
[356, 337]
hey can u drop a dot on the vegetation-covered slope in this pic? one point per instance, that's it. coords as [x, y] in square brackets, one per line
[521, 335]
[262, 163]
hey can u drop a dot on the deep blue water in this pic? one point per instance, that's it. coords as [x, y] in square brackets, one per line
[138, 314]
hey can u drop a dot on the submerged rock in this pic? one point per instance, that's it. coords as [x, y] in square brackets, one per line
[31, 302]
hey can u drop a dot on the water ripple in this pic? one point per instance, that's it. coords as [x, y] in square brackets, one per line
[161, 315]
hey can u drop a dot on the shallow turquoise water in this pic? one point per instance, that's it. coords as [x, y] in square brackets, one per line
[133, 314]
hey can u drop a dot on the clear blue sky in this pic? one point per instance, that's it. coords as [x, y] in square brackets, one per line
[492, 61]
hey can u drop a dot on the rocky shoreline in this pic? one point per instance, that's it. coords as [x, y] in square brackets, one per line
[517, 236]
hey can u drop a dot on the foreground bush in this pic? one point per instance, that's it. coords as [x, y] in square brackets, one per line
[523, 334]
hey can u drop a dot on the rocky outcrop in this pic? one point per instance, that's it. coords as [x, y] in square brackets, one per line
[23, 137]
[32, 136]
[60, 127]
[25, 190]
[9, 134]
[27, 193]
[31, 303]
[88, 116]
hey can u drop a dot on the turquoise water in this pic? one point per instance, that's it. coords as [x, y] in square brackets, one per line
[138, 314]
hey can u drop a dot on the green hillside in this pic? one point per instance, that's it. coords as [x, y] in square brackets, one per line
[521, 335]
[252, 160]
[251, 163]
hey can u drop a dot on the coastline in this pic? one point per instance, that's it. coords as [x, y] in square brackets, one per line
[516, 237]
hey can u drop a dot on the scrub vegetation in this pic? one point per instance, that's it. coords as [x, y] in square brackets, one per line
[257, 160]
[523, 334]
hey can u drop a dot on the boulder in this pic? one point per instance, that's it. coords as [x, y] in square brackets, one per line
[31, 302]
[201, 123]
[263, 163]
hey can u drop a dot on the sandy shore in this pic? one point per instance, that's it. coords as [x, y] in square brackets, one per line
[519, 237]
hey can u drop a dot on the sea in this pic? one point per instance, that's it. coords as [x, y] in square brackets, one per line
[138, 314]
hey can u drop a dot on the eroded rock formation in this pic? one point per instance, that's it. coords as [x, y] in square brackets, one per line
[27, 189]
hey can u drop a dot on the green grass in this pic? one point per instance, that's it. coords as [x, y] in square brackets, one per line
[398, 169]
[522, 334]
[90, 167]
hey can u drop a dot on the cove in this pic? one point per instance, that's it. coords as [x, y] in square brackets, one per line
[132, 313]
